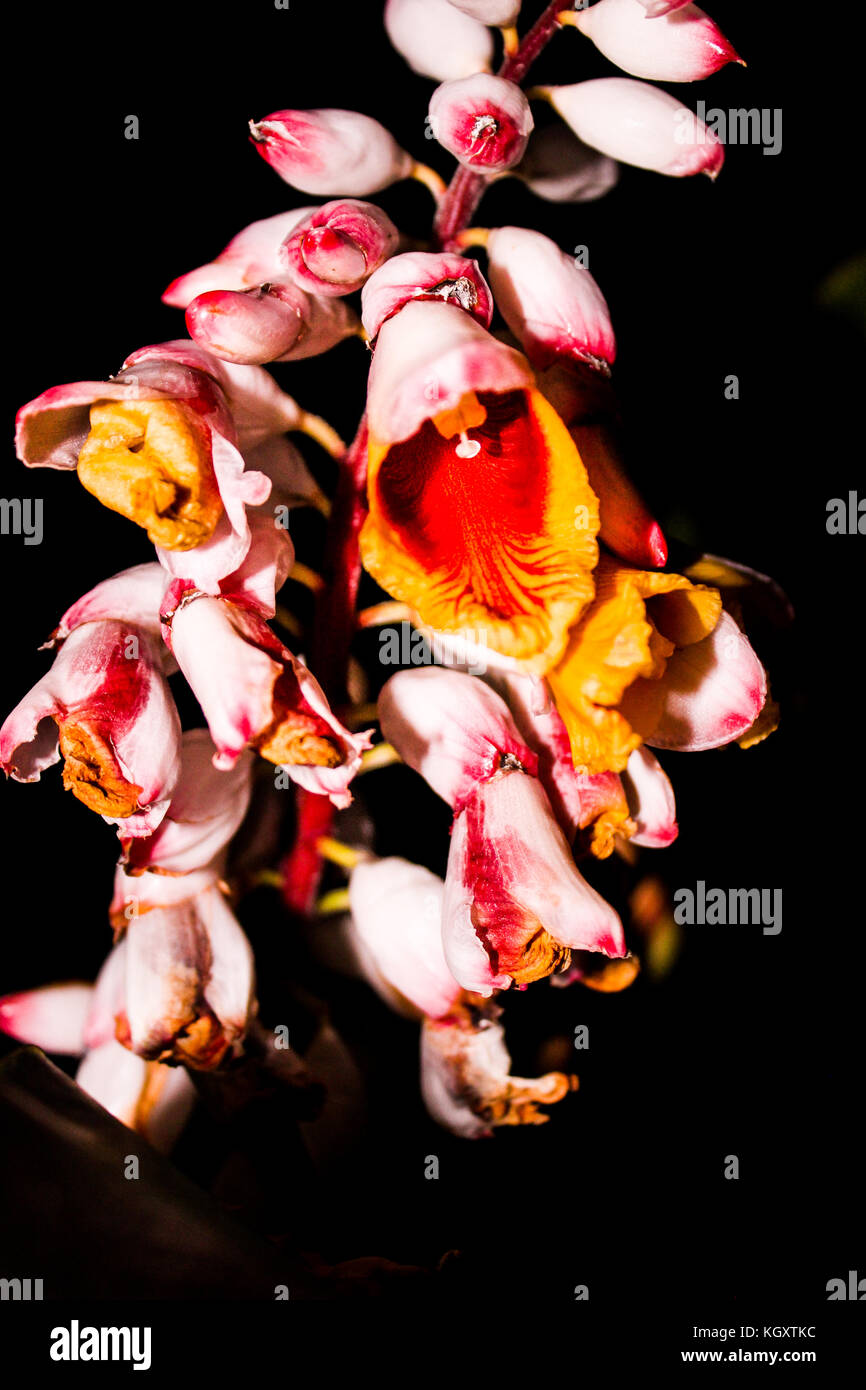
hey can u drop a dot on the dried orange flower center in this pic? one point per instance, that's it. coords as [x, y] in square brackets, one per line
[151, 461]
[90, 772]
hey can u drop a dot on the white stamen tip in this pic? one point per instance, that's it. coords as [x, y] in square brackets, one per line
[467, 448]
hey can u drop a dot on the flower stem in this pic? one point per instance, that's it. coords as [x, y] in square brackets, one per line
[467, 188]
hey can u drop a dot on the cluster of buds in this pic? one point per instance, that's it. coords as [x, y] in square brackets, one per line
[490, 500]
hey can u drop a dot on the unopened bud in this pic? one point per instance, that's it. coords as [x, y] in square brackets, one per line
[330, 151]
[336, 249]
[483, 121]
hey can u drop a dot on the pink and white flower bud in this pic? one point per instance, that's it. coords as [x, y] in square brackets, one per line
[639, 124]
[251, 258]
[500, 14]
[466, 1076]
[562, 169]
[397, 931]
[106, 706]
[437, 39]
[651, 800]
[441, 275]
[549, 301]
[681, 47]
[253, 691]
[452, 729]
[330, 153]
[337, 248]
[52, 1018]
[515, 903]
[427, 358]
[710, 694]
[272, 323]
[484, 121]
[206, 811]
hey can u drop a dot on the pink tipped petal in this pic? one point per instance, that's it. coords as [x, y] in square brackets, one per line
[397, 926]
[205, 812]
[484, 121]
[339, 246]
[133, 596]
[550, 302]
[437, 39]
[710, 694]
[251, 258]
[639, 124]
[651, 801]
[329, 152]
[683, 46]
[562, 169]
[423, 275]
[427, 358]
[52, 1018]
[513, 895]
[451, 728]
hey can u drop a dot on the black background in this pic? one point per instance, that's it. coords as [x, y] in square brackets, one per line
[750, 1046]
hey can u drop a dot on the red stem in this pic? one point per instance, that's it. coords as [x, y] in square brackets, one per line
[467, 188]
[333, 629]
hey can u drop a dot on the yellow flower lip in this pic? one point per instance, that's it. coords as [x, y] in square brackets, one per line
[636, 621]
[151, 461]
[484, 523]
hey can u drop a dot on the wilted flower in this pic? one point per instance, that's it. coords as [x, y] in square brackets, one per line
[484, 121]
[105, 706]
[161, 443]
[515, 902]
[466, 1076]
[254, 692]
